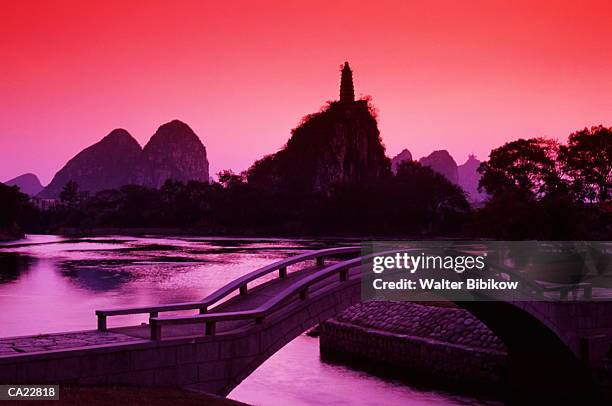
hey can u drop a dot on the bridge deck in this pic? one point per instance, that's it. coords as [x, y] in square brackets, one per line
[14, 346]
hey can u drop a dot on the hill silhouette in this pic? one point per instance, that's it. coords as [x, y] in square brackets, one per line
[469, 178]
[340, 144]
[173, 152]
[400, 158]
[443, 163]
[28, 183]
[107, 164]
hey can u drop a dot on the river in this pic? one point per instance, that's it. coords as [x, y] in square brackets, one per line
[52, 284]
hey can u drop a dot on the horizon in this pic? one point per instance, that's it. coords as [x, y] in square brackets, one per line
[466, 78]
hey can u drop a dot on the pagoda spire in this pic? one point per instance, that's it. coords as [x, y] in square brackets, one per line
[347, 92]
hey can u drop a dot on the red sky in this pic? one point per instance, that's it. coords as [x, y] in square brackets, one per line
[465, 76]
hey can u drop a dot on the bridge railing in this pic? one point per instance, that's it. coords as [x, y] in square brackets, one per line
[299, 289]
[240, 284]
[540, 288]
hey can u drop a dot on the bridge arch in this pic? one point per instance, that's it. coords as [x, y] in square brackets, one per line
[540, 362]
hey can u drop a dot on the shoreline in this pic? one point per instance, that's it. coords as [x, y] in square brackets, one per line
[177, 232]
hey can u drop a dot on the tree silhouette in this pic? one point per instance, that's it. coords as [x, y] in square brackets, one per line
[70, 193]
[12, 204]
[526, 166]
[587, 159]
[228, 178]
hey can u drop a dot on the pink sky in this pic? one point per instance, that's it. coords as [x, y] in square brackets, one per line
[464, 76]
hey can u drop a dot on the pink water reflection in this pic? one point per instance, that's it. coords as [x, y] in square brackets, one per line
[295, 376]
[63, 281]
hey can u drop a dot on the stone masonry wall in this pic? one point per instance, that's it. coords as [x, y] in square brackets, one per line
[441, 342]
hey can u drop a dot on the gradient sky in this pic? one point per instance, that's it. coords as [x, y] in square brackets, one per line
[464, 76]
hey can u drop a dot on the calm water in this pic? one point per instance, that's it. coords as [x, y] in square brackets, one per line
[51, 284]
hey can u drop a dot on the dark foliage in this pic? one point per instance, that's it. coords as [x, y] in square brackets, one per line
[417, 201]
[540, 190]
[587, 159]
[526, 166]
[14, 205]
[341, 143]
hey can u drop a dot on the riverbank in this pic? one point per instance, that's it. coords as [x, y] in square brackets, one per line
[426, 344]
[74, 232]
[10, 233]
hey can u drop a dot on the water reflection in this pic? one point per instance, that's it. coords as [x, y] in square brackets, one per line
[12, 265]
[96, 275]
[296, 376]
[45, 277]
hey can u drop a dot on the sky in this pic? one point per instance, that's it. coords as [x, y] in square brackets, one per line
[465, 76]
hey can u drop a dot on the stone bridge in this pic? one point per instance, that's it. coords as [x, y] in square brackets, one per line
[217, 342]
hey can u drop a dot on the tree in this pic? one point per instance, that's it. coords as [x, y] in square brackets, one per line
[12, 204]
[587, 160]
[228, 178]
[70, 194]
[509, 215]
[538, 188]
[527, 166]
[437, 200]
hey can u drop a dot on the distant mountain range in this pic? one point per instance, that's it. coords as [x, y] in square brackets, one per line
[173, 152]
[441, 161]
